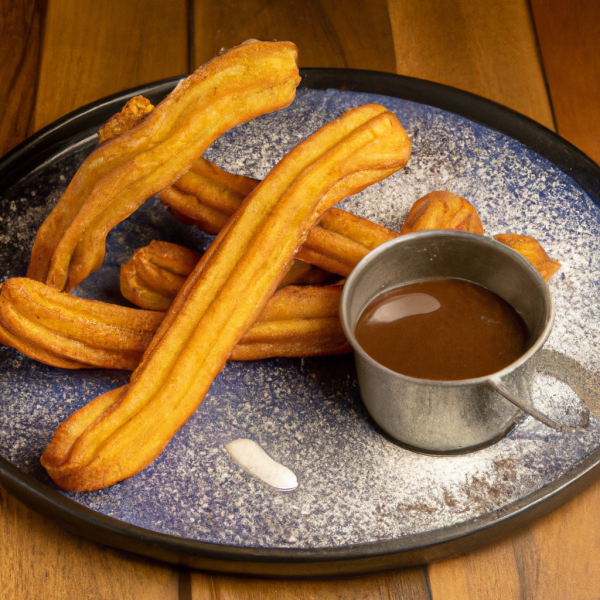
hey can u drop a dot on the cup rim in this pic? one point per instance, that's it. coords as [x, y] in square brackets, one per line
[375, 255]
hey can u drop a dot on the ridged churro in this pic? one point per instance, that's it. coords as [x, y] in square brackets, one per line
[245, 82]
[442, 210]
[532, 250]
[206, 196]
[55, 328]
[73, 333]
[223, 298]
[154, 275]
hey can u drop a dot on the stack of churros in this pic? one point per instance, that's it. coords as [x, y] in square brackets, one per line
[259, 291]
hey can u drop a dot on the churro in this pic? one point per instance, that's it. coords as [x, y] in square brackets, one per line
[73, 333]
[245, 82]
[442, 210]
[65, 331]
[532, 250]
[223, 297]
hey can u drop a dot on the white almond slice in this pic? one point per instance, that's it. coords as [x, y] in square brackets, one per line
[250, 456]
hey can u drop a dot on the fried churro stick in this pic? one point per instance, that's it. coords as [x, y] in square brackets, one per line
[206, 196]
[72, 333]
[442, 210]
[532, 250]
[65, 331]
[152, 278]
[249, 80]
[223, 298]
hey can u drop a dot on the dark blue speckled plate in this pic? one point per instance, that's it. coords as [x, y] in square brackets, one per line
[363, 503]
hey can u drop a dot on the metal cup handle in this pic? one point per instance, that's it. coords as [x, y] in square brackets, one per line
[584, 383]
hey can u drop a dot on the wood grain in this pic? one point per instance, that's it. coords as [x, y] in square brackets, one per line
[556, 557]
[488, 48]
[409, 584]
[92, 49]
[20, 35]
[328, 33]
[569, 37]
[40, 560]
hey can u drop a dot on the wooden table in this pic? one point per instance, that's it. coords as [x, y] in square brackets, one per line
[541, 58]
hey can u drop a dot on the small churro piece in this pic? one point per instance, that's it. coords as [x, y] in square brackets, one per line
[131, 115]
[154, 275]
[72, 333]
[442, 210]
[245, 82]
[225, 295]
[532, 250]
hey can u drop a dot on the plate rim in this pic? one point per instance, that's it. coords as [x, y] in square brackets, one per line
[363, 558]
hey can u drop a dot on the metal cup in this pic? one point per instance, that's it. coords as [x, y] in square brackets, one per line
[449, 417]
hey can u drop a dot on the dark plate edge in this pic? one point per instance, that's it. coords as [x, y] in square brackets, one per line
[545, 142]
[355, 559]
[323, 562]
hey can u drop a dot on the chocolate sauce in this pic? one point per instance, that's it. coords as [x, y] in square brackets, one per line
[442, 329]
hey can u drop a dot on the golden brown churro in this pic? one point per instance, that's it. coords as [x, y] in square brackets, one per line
[152, 278]
[69, 332]
[130, 116]
[154, 275]
[442, 210]
[55, 328]
[206, 196]
[249, 80]
[532, 250]
[223, 298]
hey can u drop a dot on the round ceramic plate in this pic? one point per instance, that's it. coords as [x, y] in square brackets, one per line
[363, 503]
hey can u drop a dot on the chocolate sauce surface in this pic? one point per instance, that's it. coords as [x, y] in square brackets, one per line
[442, 329]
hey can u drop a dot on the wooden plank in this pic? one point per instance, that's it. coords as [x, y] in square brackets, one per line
[488, 48]
[92, 49]
[20, 33]
[558, 556]
[409, 584]
[40, 560]
[569, 37]
[555, 557]
[328, 33]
